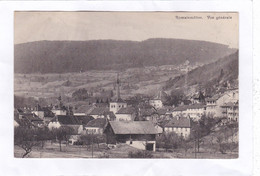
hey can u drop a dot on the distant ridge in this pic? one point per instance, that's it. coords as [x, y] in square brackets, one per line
[220, 71]
[75, 56]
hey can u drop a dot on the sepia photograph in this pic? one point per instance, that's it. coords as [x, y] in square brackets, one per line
[99, 84]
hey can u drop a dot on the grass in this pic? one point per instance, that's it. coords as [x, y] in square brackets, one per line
[121, 151]
[52, 85]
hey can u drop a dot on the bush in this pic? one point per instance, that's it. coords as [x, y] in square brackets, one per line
[140, 154]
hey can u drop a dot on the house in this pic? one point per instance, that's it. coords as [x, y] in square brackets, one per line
[138, 134]
[230, 111]
[98, 112]
[195, 111]
[180, 110]
[59, 110]
[96, 126]
[158, 100]
[67, 121]
[198, 98]
[165, 112]
[109, 116]
[29, 120]
[84, 119]
[216, 103]
[38, 111]
[180, 125]
[48, 115]
[126, 114]
[149, 115]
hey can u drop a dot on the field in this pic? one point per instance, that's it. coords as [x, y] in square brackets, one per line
[133, 81]
[121, 151]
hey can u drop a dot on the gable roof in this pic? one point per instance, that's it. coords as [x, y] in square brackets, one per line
[84, 119]
[99, 123]
[133, 127]
[30, 116]
[182, 122]
[47, 112]
[118, 100]
[66, 120]
[83, 109]
[99, 111]
[126, 110]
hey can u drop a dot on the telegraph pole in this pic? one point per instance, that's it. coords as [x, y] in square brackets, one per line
[92, 143]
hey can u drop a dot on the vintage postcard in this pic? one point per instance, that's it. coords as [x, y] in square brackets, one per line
[126, 84]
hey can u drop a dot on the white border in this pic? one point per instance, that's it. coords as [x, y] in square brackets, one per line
[12, 166]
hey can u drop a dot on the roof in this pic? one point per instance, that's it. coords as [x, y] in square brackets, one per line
[84, 119]
[182, 122]
[230, 104]
[215, 97]
[30, 116]
[47, 112]
[133, 127]
[99, 111]
[99, 123]
[117, 100]
[181, 108]
[66, 120]
[83, 109]
[126, 110]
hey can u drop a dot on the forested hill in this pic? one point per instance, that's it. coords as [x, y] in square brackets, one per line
[218, 72]
[73, 56]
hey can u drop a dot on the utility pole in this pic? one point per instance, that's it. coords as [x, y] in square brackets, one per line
[92, 142]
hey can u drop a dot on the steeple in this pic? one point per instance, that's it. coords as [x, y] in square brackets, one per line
[117, 88]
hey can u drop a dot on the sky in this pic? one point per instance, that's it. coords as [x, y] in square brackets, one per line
[136, 26]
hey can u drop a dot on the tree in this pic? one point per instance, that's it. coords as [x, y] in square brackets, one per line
[80, 94]
[176, 97]
[62, 133]
[99, 138]
[186, 145]
[44, 134]
[168, 141]
[25, 138]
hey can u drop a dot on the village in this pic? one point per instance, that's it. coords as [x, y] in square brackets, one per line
[140, 127]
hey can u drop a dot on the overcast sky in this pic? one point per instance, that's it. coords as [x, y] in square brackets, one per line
[137, 26]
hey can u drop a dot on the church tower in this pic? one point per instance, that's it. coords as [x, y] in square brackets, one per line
[117, 102]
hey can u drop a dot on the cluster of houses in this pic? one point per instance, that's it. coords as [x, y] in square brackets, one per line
[136, 126]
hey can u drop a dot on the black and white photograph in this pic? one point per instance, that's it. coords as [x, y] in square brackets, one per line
[110, 84]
